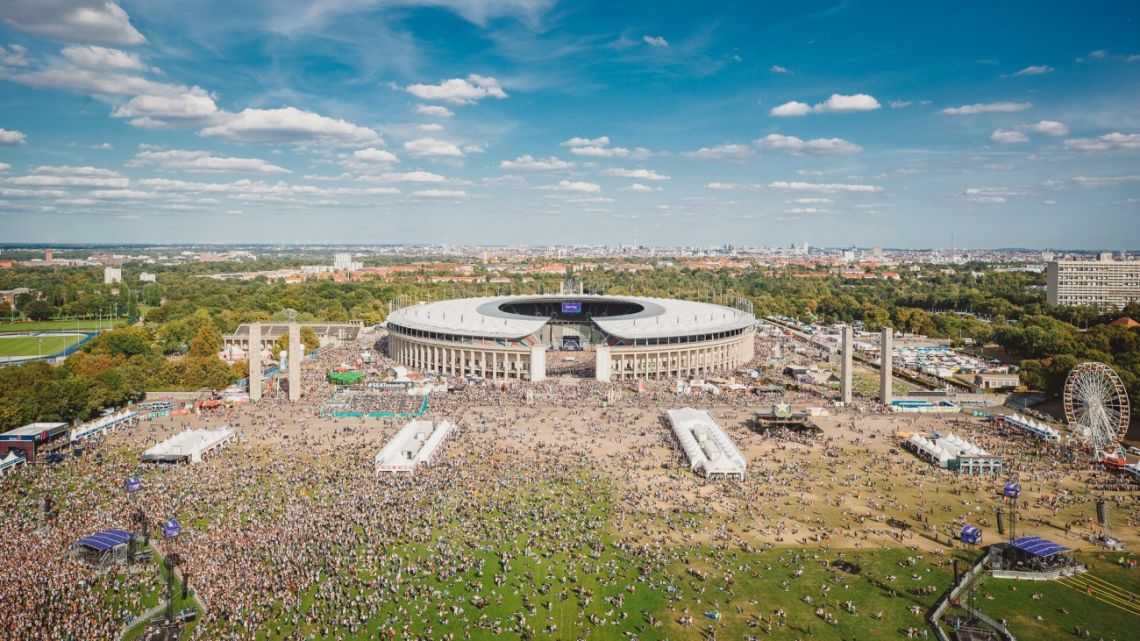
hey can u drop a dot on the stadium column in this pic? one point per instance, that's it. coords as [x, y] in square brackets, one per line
[886, 365]
[602, 357]
[845, 373]
[255, 362]
[537, 363]
[296, 353]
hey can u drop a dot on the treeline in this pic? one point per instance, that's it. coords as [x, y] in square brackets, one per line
[109, 371]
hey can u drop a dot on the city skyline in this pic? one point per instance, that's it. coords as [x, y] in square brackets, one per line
[501, 122]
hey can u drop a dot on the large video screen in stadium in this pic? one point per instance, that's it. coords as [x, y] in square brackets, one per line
[571, 307]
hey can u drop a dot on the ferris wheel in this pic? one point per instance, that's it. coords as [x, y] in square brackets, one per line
[1096, 406]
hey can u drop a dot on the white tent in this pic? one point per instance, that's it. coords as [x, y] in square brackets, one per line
[8, 463]
[415, 443]
[705, 444]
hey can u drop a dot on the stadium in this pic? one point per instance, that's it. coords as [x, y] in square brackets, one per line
[627, 337]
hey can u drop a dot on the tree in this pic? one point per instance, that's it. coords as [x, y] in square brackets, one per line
[309, 341]
[207, 342]
[38, 310]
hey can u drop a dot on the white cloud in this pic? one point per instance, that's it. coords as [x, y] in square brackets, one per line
[204, 161]
[12, 137]
[810, 201]
[441, 193]
[102, 58]
[431, 126]
[639, 174]
[566, 185]
[807, 210]
[190, 108]
[640, 187]
[600, 141]
[435, 111]
[1107, 142]
[95, 21]
[836, 103]
[856, 102]
[1008, 136]
[723, 186]
[792, 108]
[5, 166]
[726, 152]
[246, 189]
[1035, 70]
[1051, 128]
[291, 125]
[987, 107]
[373, 155]
[994, 192]
[824, 187]
[778, 69]
[459, 91]
[600, 152]
[14, 56]
[432, 147]
[408, 177]
[121, 194]
[1104, 181]
[530, 163]
[899, 104]
[655, 41]
[816, 146]
[65, 176]
[103, 146]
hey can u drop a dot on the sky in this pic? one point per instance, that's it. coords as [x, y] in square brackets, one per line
[501, 122]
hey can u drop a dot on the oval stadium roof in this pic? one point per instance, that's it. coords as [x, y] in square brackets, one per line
[658, 318]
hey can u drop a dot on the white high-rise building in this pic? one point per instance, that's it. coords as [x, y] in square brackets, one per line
[1103, 283]
[343, 262]
[112, 275]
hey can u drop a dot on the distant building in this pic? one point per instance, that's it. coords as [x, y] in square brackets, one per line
[10, 295]
[1103, 283]
[112, 275]
[146, 277]
[997, 380]
[343, 263]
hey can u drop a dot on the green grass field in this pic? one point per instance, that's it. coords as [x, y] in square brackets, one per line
[61, 325]
[1064, 605]
[31, 345]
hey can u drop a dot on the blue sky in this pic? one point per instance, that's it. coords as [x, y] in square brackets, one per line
[536, 121]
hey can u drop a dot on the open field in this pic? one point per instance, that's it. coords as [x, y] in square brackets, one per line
[60, 325]
[35, 345]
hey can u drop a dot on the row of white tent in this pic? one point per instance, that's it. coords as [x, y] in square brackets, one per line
[945, 448]
[102, 424]
[1038, 429]
[415, 443]
[709, 450]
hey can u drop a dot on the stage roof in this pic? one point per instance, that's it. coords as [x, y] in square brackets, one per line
[105, 540]
[32, 431]
[1037, 546]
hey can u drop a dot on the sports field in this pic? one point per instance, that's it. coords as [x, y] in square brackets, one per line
[22, 345]
[60, 325]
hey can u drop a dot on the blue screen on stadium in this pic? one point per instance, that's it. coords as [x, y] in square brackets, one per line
[572, 308]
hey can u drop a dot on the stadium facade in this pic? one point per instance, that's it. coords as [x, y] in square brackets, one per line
[631, 337]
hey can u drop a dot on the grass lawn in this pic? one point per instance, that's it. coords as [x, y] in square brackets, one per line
[42, 326]
[31, 345]
[1013, 601]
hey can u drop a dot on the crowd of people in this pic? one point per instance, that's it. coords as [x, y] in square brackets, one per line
[556, 506]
